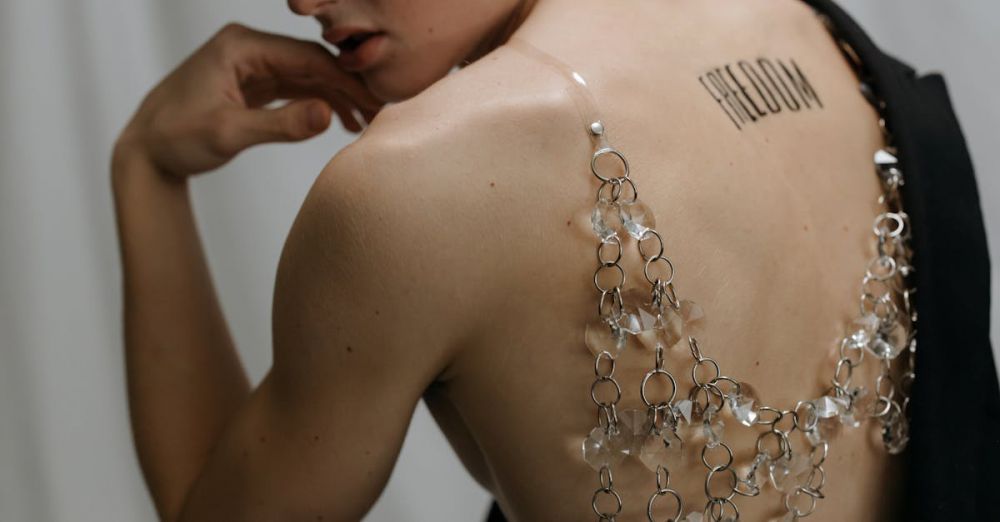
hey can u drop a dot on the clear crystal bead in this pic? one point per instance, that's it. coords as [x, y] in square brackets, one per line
[826, 407]
[635, 426]
[787, 517]
[862, 402]
[868, 322]
[858, 339]
[643, 317]
[671, 327]
[712, 428]
[606, 221]
[603, 336]
[889, 343]
[693, 516]
[662, 449]
[825, 430]
[757, 474]
[683, 409]
[883, 348]
[637, 218]
[742, 409]
[850, 419]
[789, 473]
[630, 321]
[603, 448]
[692, 318]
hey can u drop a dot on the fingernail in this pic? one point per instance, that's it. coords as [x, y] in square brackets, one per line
[317, 117]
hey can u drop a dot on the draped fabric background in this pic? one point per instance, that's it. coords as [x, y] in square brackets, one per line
[73, 72]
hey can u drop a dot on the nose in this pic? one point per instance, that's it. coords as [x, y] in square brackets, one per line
[303, 7]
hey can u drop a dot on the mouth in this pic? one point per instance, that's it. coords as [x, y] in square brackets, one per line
[359, 48]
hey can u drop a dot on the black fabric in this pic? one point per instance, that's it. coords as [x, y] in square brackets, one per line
[954, 449]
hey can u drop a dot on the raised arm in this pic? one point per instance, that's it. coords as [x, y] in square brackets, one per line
[185, 380]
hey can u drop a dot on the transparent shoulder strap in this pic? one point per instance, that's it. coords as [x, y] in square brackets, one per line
[583, 98]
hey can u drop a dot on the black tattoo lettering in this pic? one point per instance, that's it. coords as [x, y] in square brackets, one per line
[758, 83]
[730, 87]
[743, 90]
[802, 85]
[719, 100]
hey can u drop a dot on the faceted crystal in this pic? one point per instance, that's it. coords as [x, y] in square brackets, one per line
[606, 220]
[694, 516]
[602, 336]
[849, 418]
[643, 317]
[602, 448]
[682, 410]
[825, 430]
[826, 407]
[757, 474]
[712, 429]
[637, 218]
[883, 349]
[634, 425]
[868, 322]
[742, 409]
[862, 402]
[858, 339]
[888, 344]
[884, 158]
[789, 473]
[662, 449]
[630, 322]
[787, 517]
[692, 318]
[671, 327]
[895, 433]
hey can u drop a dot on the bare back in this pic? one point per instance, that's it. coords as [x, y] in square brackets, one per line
[766, 220]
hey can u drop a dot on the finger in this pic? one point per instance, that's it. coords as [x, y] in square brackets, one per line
[346, 115]
[261, 55]
[295, 121]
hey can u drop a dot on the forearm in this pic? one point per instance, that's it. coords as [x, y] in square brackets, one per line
[184, 376]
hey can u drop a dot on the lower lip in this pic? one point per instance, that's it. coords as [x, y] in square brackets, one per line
[363, 56]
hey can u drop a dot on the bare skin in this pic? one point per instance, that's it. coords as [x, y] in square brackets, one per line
[445, 255]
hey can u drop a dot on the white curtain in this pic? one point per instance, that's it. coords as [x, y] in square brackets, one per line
[72, 72]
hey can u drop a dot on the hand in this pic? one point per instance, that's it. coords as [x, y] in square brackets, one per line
[211, 106]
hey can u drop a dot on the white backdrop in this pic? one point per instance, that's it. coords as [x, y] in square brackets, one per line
[70, 75]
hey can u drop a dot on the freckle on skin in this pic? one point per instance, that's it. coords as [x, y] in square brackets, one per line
[430, 30]
[246, 453]
[568, 222]
[349, 348]
[263, 438]
[315, 438]
[805, 227]
[492, 184]
[376, 311]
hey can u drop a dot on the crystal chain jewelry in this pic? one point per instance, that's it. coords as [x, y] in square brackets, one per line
[660, 320]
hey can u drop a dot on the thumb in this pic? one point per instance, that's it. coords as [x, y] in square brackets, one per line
[294, 121]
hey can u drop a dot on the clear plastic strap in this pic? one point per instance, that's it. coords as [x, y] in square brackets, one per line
[586, 104]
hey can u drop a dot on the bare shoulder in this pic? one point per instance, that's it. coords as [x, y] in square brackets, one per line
[438, 185]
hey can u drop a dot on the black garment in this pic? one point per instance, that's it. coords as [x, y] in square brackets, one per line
[954, 451]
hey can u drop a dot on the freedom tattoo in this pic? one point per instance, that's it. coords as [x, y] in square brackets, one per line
[748, 91]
